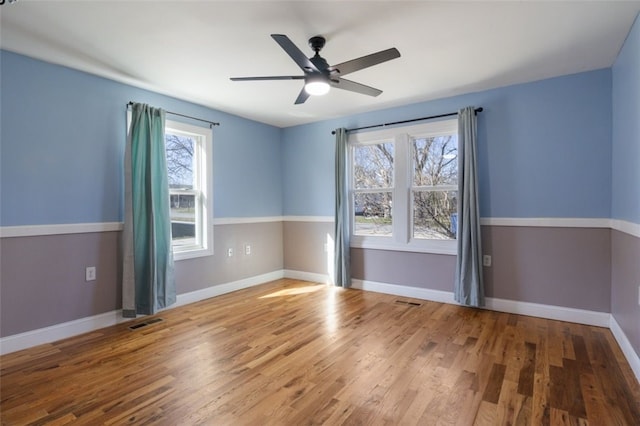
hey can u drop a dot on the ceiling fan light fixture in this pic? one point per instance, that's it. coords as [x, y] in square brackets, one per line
[319, 76]
[317, 87]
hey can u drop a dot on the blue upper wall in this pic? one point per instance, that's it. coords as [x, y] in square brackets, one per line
[625, 202]
[62, 143]
[544, 149]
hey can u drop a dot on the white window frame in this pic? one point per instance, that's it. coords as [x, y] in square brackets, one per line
[203, 161]
[402, 190]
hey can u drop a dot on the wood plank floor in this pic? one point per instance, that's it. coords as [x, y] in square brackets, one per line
[295, 353]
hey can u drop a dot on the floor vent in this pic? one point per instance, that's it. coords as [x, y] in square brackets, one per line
[404, 302]
[145, 323]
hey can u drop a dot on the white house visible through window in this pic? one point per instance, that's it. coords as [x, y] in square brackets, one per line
[189, 165]
[404, 188]
[373, 188]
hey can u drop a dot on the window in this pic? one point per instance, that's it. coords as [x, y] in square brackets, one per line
[404, 188]
[373, 188]
[189, 169]
[189, 164]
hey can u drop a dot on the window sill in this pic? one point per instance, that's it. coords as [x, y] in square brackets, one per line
[191, 254]
[447, 247]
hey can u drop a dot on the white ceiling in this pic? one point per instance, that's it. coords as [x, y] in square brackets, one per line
[189, 49]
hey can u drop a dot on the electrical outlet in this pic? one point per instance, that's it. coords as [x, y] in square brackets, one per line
[326, 248]
[486, 260]
[90, 273]
[230, 252]
[247, 249]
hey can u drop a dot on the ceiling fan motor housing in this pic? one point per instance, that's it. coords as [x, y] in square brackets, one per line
[317, 43]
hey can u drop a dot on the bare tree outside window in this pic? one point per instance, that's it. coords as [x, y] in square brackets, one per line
[434, 163]
[373, 182]
[179, 160]
[179, 151]
[435, 180]
[404, 187]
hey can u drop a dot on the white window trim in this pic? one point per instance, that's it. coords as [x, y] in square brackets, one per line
[205, 158]
[402, 239]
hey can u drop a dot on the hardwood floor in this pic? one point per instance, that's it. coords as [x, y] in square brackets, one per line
[294, 353]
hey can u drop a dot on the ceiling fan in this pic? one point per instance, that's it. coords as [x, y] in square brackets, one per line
[319, 76]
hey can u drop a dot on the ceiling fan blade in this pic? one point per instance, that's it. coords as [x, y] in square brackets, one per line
[366, 61]
[276, 77]
[295, 53]
[352, 86]
[302, 97]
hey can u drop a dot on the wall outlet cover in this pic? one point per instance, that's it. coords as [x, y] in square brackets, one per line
[90, 273]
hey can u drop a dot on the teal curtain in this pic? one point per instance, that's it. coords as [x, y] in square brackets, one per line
[148, 276]
[469, 287]
[341, 222]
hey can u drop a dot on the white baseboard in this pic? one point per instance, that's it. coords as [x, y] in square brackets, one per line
[625, 345]
[61, 331]
[405, 291]
[68, 329]
[600, 319]
[217, 290]
[580, 316]
[307, 276]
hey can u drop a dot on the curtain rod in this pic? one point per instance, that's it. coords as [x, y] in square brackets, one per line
[211, 123]
[477, 110]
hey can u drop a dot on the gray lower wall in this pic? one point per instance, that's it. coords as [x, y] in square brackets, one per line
[423, 270]
[42, 278]
[304, 246]
[625, 283]
[266, 256]
[568, 267]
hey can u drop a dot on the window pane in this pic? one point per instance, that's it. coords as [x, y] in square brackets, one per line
[435, 215]
[179, 160]
[435, 161]
[183, 216]
[373, 214]
[373, 166]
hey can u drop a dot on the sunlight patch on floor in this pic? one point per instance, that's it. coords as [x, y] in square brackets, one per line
[294, 291]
